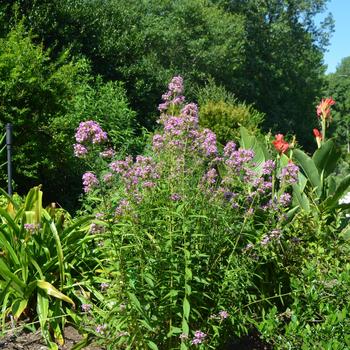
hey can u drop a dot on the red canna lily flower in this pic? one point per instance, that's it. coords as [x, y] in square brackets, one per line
[324, 108]
[280, 144]
[318, 137]
[317, 134]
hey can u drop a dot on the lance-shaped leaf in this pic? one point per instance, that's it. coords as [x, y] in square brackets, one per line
[51, 290]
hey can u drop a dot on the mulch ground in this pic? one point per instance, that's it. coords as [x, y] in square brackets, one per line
[23, 340]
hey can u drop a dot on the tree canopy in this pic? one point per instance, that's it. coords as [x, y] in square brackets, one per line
[266, 52]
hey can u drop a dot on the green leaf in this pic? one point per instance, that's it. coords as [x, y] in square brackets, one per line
[333, 201]
[8, 247]
[18, 307]
[152, 345]
[58, 244]
[82, 344]
[326, 158]
[310, 170]
[186, 309]
[135, 302]
[7, 275]
[251, 142]
[51, 290]
[185, 327]
[301, 198]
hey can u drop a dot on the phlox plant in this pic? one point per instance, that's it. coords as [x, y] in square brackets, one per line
[191, 234]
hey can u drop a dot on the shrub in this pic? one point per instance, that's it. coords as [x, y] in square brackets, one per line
[45, 100]
[221, 112]
[191, 234]
[225, 119]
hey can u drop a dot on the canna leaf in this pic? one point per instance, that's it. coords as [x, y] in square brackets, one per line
[310, 170]
[333, 201]
[326, 158]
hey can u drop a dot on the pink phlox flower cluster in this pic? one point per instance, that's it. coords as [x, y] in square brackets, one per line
[96, 228]
[223, 314]
[173, 95]
[123, 207]
[104, 286]
[108, 153]
[289, 174]
[229, 149]
[89, 181]
[239, 159]
[206, 142]
[90, 131]
[80, 151]
[273, 236]
[268, 167]
[158, 142]
[209, 177]
[107, 178]
[141, 172]
[31, 227]
[261, 185]
[101, 328]
[175, 197]
[86, 307]
[198, 338]
[285, 199]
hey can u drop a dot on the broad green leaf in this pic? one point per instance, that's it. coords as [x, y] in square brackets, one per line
[185, 327]
[43, 311]
[309, 168]
[251, 142]
[326, 158]
[51, 290]
[301, 198]
[345, 233]
[342, 188]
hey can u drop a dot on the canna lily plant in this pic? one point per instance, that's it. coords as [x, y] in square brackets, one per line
[318, 189]
[318, 184]
[38, 248]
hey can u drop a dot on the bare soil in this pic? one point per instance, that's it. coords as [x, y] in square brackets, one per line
[23, 340]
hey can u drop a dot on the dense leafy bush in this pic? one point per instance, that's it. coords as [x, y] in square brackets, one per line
[225, 119]
[221, 112]
[45, 100]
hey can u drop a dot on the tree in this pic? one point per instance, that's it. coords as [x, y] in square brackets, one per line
[283, 68]
[143, 43]
[338, 86]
